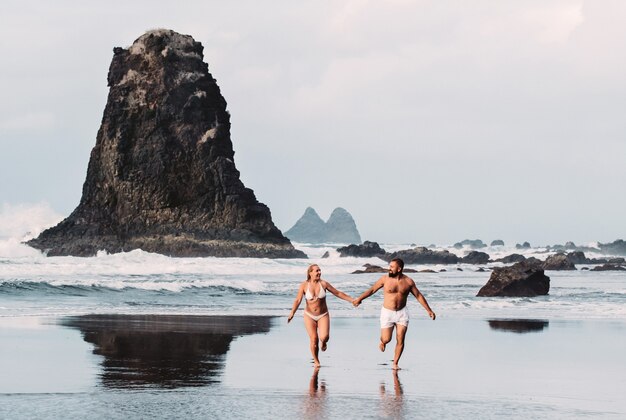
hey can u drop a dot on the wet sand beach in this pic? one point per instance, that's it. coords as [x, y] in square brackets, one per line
[120, 366]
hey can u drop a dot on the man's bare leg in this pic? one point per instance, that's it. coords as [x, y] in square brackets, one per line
[400, 333]
[385, 337]
[323, 327]
[311, 329]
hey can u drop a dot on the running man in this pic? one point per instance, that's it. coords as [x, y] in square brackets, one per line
[396, 287]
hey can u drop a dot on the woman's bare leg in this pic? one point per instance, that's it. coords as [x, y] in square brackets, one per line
[323, 328]
[311, 329]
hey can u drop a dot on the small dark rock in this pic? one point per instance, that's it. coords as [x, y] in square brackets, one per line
[472, 243]
[609, 267]
[326, 254]
[497, 242]
[525, 245]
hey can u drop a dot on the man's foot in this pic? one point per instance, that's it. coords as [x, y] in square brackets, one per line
[323, 346]
[395, 367]
[316, 363]
[381, 346]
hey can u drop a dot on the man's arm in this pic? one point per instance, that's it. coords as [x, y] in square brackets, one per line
[422, 300]
[369, 292]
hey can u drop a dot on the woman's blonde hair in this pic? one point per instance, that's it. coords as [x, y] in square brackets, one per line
[308, 271]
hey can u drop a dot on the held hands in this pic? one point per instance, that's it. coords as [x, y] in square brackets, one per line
[356, 302]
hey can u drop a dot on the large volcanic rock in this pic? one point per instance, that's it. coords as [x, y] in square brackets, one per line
[339, 228]
[525, 279]
[161, 176]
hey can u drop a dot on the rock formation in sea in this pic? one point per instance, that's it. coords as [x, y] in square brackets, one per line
[366, 249]
[472, 243]
[513, 258]
[558, 262]
[476, 257]
[617, 247]
[162, 176]
[422, 255]
[370, 268]
[524, 279]
[339, 228]
[497, 242]
[609, 267]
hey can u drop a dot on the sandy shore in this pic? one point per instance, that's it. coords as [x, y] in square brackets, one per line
[175, 366]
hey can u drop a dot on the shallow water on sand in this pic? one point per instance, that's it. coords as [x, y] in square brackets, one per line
[120, 367]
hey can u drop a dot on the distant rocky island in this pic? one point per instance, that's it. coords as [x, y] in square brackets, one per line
[162, 176]
[339, 228]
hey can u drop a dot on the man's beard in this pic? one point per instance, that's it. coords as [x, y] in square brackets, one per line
[396, 274]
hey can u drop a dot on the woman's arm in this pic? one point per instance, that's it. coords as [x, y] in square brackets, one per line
[338, 293]
[296, 303]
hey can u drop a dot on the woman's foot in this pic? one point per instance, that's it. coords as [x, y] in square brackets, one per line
[323, 346]
[381, 346]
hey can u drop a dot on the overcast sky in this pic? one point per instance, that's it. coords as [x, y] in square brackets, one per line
[429, 121]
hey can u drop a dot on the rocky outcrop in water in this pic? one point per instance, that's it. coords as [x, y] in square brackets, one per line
[513, 258]
[524, 279]
[471, 243]
[609, 267]
[422, 255]
[366, 249]
[339, 228]
[617, 247]
[370, 268]
[558, 262]
[476, 257]
[162, 176]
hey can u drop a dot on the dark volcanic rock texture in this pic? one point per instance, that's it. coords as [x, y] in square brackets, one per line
[525, 279]
[161, 176]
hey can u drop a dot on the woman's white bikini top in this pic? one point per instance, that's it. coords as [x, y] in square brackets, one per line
[309, 296]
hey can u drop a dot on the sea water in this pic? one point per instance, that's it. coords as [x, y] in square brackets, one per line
[465, 365]
[137, 282]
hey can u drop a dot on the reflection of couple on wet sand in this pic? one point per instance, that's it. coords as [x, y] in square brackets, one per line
[392, 404]
[396, 287]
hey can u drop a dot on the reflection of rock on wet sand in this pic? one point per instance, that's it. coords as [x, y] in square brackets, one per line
[166, 351]
[519, 326]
